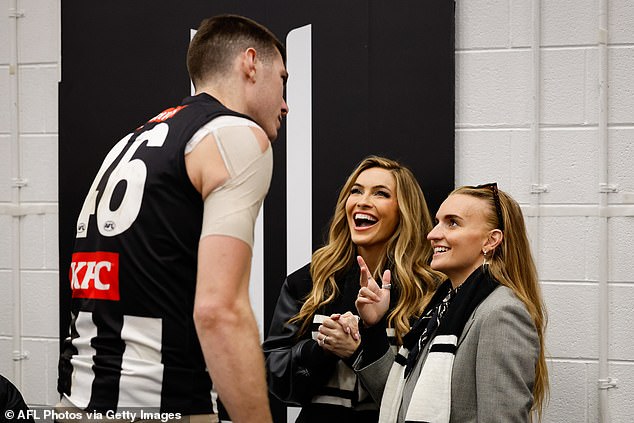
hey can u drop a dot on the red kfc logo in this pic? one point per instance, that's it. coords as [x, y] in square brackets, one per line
[95, 275]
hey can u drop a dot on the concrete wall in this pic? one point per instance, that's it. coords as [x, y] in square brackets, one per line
[28, 219]
[495, 140]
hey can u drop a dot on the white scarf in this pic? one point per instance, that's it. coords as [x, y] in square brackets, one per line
[438, 332]
[431, 399]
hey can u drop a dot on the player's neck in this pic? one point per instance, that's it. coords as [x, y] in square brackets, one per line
[227, 93]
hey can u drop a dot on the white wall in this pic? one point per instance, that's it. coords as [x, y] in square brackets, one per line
[28, 228]
[495, 140]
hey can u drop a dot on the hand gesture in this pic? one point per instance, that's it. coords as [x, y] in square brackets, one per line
[338, 338]
[373, 301]
[349, 322]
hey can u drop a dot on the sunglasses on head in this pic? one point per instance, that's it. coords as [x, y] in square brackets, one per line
[493, 186]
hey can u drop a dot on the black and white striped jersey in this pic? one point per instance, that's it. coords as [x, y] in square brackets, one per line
[132, 340]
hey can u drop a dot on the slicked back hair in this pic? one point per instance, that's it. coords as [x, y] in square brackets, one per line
[513, 266]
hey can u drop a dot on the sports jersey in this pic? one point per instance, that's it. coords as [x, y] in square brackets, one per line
[132, 339]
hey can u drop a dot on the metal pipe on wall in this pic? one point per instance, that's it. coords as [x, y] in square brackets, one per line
[605, 188]
[16, 186]
[535, 128]
[535, 160]
[604, 382]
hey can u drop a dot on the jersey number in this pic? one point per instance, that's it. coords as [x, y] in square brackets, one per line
[131, 172]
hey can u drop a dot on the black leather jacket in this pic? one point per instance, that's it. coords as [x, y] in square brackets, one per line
[11, 401]
[299, 371]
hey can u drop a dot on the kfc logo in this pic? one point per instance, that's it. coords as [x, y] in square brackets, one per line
[95, 275]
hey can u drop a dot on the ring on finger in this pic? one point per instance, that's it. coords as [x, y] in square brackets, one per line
[324, 340]
[386, 286]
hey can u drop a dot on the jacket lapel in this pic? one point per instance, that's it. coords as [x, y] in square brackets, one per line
[467, 326]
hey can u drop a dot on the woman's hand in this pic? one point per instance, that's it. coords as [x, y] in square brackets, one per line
[337, 338]
[373, 301]
[349, 322]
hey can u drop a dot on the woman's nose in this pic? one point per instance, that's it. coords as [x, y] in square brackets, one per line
[434, 233]
[364, 200]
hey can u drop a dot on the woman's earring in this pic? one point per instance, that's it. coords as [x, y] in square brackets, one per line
[485, 262]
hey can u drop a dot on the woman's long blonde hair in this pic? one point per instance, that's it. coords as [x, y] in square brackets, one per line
[513, 266]
[407, 252]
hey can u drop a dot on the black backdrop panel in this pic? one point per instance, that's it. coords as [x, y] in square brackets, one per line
[382, 83]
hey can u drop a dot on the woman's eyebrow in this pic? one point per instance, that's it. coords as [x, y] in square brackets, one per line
[450, 216]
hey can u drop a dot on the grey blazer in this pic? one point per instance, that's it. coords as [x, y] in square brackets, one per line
[494, 368]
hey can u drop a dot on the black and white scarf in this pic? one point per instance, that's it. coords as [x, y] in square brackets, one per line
[438, 329]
